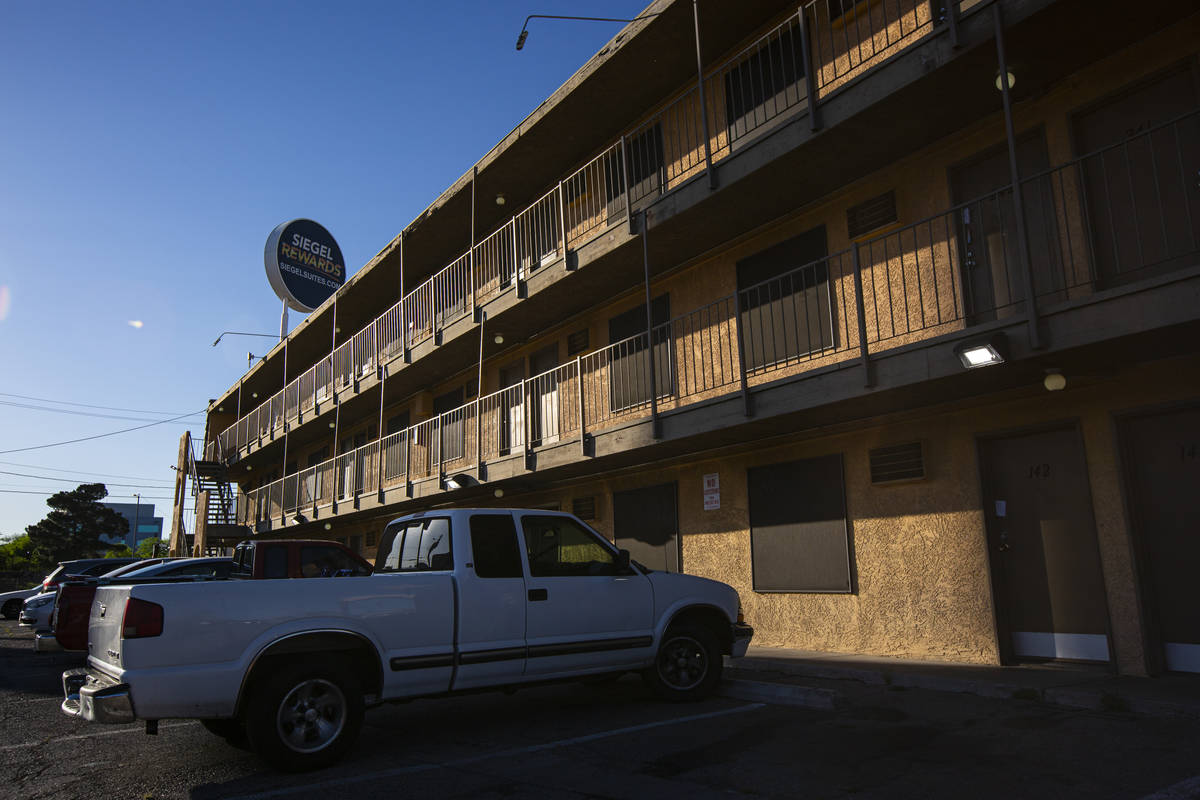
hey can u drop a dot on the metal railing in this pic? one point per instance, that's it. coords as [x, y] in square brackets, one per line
[744, 96]
[1118, 215]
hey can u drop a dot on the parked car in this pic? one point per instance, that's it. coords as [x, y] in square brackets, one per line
[45, 638]
[459, 600]
[37, 609]
[297, 558]
[11, 602]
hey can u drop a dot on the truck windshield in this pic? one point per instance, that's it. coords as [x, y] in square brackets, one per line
[416, 545]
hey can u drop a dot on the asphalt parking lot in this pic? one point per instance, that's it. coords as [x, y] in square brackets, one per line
[574, 740]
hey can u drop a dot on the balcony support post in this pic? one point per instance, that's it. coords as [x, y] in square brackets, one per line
[379, 439]
[408, 490]
[655, 423]
[337, 420]
[471, 253]
[747, 399]
[950, 9]
[810, 82]
[708, 168]
[526, 419]
[406, 353]
[562, 225]
[579, 391]
[625, 180]
[516, 260]
[1031, 313]
[860, 311]
[478, 398]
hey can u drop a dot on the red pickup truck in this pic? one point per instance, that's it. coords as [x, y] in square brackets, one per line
[283, 558]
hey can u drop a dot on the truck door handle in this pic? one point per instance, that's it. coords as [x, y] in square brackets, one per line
[538, 594]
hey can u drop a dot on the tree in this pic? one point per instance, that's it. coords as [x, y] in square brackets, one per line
[17, 554]
[150, 547]
[75, 524]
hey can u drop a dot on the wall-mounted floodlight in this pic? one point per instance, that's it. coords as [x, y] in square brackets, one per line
[982, 352]
[460, 481]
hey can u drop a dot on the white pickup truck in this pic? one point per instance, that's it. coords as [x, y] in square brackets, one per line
[459, 599]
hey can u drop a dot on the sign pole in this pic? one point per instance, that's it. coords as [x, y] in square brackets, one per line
[283, 322]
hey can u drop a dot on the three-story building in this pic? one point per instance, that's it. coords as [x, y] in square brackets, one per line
[888, 317]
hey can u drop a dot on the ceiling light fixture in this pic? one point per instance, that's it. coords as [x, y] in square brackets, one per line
[982, 352]
[1012, 81]
[1054, 381]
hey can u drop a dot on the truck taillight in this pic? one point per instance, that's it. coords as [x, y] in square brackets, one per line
[142, 618]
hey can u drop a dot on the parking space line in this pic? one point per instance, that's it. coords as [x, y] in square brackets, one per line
[97, 735]
[459, 762]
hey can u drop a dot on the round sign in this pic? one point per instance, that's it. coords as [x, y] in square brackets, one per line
[304, 264]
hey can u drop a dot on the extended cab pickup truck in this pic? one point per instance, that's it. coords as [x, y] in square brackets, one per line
[460, 599]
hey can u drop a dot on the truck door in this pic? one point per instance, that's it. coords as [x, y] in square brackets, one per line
[491, 604]
[583, 610]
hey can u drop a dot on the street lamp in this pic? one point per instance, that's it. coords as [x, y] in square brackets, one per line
[524, 34]
[243, 333]
[136, 513]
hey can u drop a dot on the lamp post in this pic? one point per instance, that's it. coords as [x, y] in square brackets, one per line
[243, 333]
[137, 508]
[524, 34]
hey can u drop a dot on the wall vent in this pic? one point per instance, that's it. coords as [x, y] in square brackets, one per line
[871, 214]
[577, 342]
[584, 507]
[902, 462]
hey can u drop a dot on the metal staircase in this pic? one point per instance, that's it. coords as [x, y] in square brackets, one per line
[221, 522]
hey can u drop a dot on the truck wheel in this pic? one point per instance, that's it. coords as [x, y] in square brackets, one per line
[231, 730]
[305, 716]
[11, 609]
[688, 665]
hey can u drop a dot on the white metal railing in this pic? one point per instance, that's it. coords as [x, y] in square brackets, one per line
[743, 94]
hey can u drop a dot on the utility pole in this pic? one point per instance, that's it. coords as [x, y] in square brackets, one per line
[136, 513]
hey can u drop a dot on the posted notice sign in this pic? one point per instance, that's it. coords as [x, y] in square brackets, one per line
[712, 491]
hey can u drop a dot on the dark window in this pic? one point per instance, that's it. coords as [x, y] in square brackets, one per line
[871, 214]
[765, 83]
[372, 537]
[275, 561]
[629, 359]
[322, 561]
[397, 423]
[559, 547]
[452, 425]
[785, 302]
[798, 536]
[645, 161]
[417, 545]
[577, 342]
[494, 546]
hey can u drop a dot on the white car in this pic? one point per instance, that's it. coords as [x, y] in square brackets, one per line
[36, 612]
[11, 602]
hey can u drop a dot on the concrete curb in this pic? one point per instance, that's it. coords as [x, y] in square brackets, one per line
[784, 694]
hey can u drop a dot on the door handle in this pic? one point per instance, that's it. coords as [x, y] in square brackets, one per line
[538, 594]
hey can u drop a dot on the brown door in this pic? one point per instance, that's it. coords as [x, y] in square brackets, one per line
[1162, 458]
[543, 409]
[1042, 537]
[1142, 153]
[993, 281]
[645, 524]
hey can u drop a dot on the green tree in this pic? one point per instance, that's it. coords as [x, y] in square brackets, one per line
[75, 525]
[146, 547]
[17, 554]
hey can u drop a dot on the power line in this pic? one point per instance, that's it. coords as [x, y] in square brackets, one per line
[47, 494]
[97, 436]
[79, 471]
[87, 405]
[75, 413]
[162, 484]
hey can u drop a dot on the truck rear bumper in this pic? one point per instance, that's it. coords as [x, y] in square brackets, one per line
[96, 697]
[46, 643]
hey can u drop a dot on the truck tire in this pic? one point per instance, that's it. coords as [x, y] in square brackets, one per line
[305, 716]
[233, 731]
[12, 608]
[688, 664]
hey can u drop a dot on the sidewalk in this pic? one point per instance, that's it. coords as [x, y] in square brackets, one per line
[811, 679]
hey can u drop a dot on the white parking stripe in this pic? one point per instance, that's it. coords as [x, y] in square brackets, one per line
[96, 735]
[387, 773]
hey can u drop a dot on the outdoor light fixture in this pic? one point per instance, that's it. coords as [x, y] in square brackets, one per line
[498, 493]
[1012, 81]
[524, 34]
[254, 395]
[328, 526]
[298, 518]
[333, 425]
[249, 467]
[1054, 381]
[460, 481]
[500, 198]
[498, 338]
[982, 352]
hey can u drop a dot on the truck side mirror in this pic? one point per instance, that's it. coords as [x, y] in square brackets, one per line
[623, 560]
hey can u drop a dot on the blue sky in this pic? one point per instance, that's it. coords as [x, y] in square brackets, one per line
[147, 149]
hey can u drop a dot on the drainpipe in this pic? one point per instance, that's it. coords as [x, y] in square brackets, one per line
[712, 176]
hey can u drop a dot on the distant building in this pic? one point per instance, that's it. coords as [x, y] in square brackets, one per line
[142, 523]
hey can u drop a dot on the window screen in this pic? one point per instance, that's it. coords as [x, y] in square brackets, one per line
[494, 546]
[414, 546]
[798, 537]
